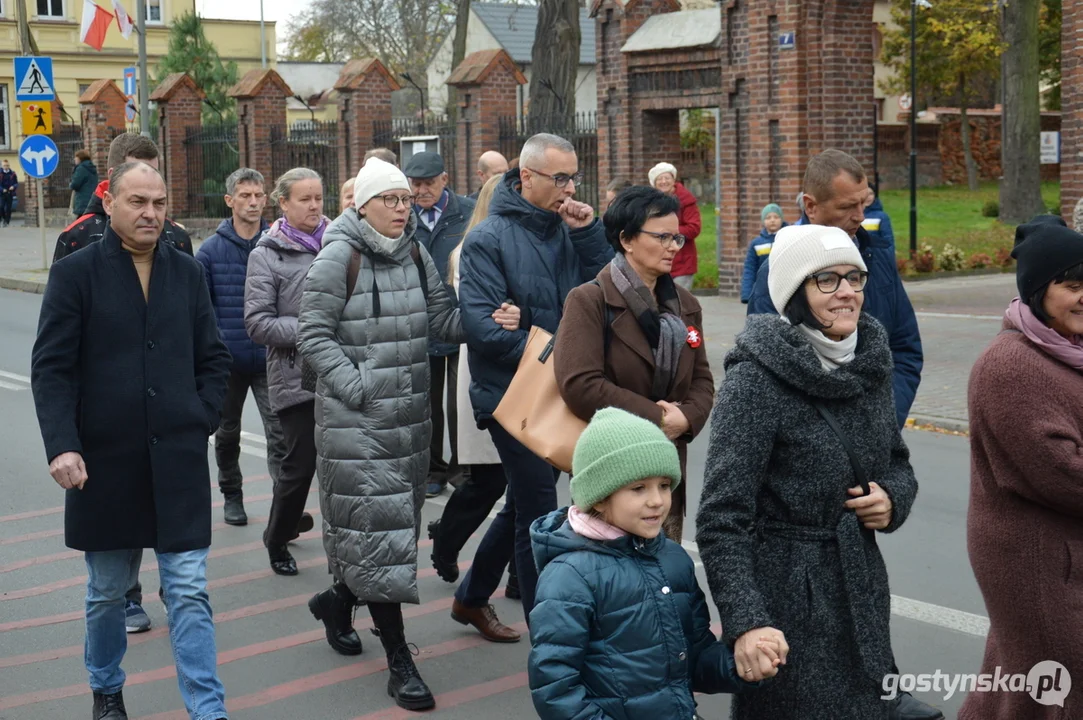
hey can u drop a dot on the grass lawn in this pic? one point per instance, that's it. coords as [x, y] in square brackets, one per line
[948, 214]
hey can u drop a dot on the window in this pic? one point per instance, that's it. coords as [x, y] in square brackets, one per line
[50, 8]
[5, 125]
[154, 11]
[83, 87]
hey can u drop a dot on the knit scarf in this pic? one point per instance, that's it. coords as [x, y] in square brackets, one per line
[664, 329]
[832, 353]
[592, 528]
[1068, 350]
[313, 241]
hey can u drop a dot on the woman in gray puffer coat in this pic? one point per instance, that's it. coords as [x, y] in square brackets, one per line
[786, 521]
[369, 348]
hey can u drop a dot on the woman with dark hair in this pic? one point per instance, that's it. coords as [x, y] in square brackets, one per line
[1025, 523]
[633, 339]
[806, 460]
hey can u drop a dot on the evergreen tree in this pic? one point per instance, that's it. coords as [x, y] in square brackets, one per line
[191, 52]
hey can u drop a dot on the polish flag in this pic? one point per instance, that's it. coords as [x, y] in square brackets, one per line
[96, 23]
[124, 20]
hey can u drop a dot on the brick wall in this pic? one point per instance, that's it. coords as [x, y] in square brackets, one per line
[985, 146]
[102, 112]
[261, 105]
[365, 89]
[1071, 88]
[180, 107]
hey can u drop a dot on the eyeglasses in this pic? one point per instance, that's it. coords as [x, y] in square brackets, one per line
[667, 239]
[392, 201]
[828, 281]
[560, 179]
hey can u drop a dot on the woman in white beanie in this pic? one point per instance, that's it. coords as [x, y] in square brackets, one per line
[663, 176]
[371, 300]
[805, 463]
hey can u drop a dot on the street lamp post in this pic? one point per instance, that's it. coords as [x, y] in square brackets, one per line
[262, 38]
[421, 94]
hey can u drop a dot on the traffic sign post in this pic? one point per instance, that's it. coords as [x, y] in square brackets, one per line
[34, 78]
[39, 157]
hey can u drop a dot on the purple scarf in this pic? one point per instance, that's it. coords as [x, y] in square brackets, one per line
[313, 242]
[1068, 350]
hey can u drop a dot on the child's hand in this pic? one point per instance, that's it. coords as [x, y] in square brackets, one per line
[759, 652]
[770, 647]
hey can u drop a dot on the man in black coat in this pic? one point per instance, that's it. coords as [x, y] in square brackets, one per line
[442, 217]
[129, 375]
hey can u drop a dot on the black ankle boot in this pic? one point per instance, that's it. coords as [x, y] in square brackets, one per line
[334, 607]
[282, 561]
[405, 684]
[109, 707]
[233, 510]
[446, 567]
[511, 590]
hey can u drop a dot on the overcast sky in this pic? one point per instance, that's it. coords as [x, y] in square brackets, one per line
[279, 10]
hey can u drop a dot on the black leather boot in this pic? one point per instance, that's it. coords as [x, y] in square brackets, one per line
[405, 684]
[446, 567]
[334, 608]
[907, 707]
[109, 707]
[511, 590]
[233, 510]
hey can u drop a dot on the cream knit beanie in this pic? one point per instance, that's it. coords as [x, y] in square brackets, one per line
[377, 177]
[802, 250]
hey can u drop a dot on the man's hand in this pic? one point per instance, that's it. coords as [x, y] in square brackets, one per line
[68, 470]
[576, 214]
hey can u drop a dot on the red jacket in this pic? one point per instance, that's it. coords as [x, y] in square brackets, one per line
[687, 260]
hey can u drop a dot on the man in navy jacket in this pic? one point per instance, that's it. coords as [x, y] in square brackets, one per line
[836, 190]
[535, 246]
[224, 257]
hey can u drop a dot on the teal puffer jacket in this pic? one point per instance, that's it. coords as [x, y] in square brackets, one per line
[620, 629]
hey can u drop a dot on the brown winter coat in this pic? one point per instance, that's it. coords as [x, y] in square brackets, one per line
[591, 378]
[1025, 523]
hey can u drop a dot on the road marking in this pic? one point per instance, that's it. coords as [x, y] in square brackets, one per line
[13, 376]
[258, 439]
[958, 316]
[12, 386]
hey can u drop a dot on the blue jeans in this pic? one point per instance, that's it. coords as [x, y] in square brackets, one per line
[191, 627]
[532, 493]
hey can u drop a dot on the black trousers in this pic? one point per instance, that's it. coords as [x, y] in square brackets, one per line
[295, 477]
[6, 201]
[444, 375]
[469, 505]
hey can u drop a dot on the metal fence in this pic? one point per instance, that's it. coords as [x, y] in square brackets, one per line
[581, 131]
[211, 153]
[311, 144]
[68, 139]
[389, 135]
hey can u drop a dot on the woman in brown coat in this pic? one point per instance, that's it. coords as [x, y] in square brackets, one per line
[1025, 523]
[633, 339]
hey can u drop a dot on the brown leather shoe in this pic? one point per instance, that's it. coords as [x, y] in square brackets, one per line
[485, 621]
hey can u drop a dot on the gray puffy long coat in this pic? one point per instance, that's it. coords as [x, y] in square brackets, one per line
[372, 402]
[779, 547]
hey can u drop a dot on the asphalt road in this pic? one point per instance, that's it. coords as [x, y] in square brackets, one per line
[274, 661]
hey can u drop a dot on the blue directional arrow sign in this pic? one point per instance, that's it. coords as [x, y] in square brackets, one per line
[38, 156]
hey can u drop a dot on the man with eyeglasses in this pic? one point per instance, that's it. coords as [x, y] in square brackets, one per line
[442, 217]
[835, 192]
[537, 244]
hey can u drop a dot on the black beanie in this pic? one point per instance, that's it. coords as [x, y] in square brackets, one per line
[1044, 248]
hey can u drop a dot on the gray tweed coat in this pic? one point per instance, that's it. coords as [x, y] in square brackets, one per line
[778, 545]
[373, 422]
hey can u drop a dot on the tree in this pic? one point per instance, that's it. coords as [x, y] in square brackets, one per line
[458, 51]
[403, 34]
[1049, 51]
[958, 50]
[1021, 190]
[190, 51]
[555, 64]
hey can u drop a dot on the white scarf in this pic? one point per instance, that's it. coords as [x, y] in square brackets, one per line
[832, 353]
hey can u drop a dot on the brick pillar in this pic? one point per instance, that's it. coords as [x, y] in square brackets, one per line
[261, 108]
[1071, 105]
[619, 122]
[781, 106]
[180, 107]
[364, 87]
[487, 82]
[102, 110]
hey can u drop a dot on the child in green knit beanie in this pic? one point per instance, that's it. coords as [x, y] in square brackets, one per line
[619, 615]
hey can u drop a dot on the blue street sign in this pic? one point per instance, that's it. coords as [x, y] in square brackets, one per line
[787, 41]
[38, 156]
[129, 81]
[34, 78]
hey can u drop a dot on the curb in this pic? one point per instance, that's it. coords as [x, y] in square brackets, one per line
[28, 286]
[939, 423]
[943, 275]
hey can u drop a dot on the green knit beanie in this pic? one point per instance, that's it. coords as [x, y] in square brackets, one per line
[769, 209]
[616, 449]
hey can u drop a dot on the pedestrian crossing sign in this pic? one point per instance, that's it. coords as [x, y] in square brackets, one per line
[37, 118]
[34, 78]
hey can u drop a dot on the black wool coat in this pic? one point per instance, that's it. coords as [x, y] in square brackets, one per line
[136, 387]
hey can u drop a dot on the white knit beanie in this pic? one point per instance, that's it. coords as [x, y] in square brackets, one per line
[662, 167]
[802, 250]
[377, 177]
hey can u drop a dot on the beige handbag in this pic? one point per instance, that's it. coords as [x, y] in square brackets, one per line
[532, 410]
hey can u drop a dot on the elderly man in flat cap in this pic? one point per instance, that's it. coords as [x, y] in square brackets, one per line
[442, 217]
